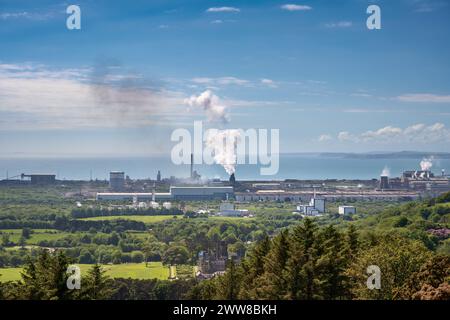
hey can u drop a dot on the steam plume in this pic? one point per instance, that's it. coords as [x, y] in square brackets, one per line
[386, 172]
[224, 145]
[215, 111]
[426, 164]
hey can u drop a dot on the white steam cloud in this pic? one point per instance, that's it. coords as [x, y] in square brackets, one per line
[214, 109]
[386, 172]
[426, 164]
[223, 143]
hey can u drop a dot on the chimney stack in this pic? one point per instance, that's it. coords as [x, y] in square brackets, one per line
[192, 166]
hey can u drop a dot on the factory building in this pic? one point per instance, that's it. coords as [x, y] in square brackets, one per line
[344, 210]
[201, 193]
[425, 181]
[347, 195]
[40, 178]
[227, 209]
[176, 193]
[315, 207]
[130, 196]
[117, 180]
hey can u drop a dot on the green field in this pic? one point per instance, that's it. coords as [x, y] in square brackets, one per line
[155, 270]
[145, 219]
[36, 236]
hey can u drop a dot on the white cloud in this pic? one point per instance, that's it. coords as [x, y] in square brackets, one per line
[217, 21]
[35, 97]
[325, 138]
[295, 7]
[423, 97]
[340, 24]
[223, 9]
[221, 81]
[26, 15]
[416, 133]
[269, 83]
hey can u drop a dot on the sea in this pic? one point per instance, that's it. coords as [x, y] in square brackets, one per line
[291, 166]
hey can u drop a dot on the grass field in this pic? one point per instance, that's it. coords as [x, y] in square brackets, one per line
[145, 219]
[155, 270]
[36, 236]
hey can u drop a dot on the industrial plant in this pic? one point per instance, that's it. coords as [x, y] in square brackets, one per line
[310, 195]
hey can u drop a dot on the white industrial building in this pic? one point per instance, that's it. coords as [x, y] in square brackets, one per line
[228, 210]
[176, 193]
[315, 207]
[347, 210]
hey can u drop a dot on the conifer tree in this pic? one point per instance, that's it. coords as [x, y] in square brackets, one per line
[96, 286]
[273, 281]
[301, 264]
[253, 267]
[228, 285]
[331, 265]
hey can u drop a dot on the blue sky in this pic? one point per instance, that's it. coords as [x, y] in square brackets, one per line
[120, 85]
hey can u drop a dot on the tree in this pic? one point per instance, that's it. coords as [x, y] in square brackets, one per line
[397, 257]
[429, 282]
[228, 285]
[96, 285]
[22, 241]
[331, 265]
[253, 267]
[176, 255]
[86, 257]
[45, 278]
[26, 233]
[300, 273]
[273, 282]
[5, 240]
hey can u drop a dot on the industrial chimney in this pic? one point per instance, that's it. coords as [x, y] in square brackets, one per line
[192, 166]
[384, 182]
[232, 179]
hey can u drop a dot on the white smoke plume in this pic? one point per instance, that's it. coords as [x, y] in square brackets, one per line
[223, 143]
[426, 164]
[386, 172]
[214, 109]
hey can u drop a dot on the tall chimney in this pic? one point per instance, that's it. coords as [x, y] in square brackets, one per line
[192, 166]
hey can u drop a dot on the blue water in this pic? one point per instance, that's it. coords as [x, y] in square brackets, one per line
[291, 167]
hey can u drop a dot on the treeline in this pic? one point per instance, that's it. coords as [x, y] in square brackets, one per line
[107, 226]
[79, 213]
[308, 263]
[45, 277]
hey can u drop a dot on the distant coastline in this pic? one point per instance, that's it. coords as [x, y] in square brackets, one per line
[377, 155]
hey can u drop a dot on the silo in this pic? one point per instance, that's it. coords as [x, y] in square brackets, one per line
[384, 182]
[117, 180]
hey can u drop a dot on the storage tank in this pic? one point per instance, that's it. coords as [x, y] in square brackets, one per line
[117, 180]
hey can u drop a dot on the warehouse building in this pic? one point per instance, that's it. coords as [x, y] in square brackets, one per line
[344, 210]
[41, 179]
[176, 193]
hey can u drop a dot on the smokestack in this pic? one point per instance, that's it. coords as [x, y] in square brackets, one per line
[232, 179]
[384, 182]
[192, 166]
[153, 193]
